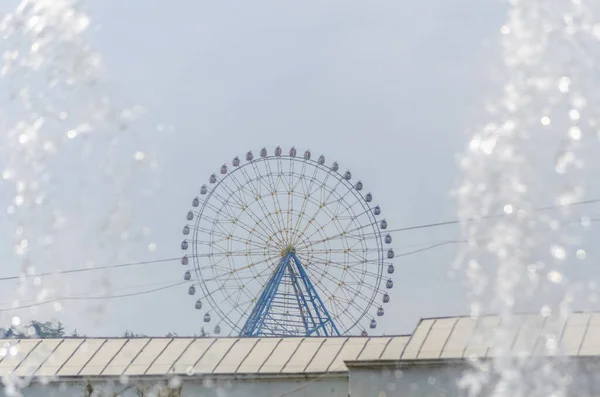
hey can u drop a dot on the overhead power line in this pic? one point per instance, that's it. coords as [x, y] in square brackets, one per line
[492, 216]
[408, 228]
[100, 297]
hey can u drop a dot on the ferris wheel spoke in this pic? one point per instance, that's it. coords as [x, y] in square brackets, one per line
[352, 274]
[258, 199]
[305, 201]
[276, 204]
[248, 243]
[321, 205]
[247, 209]
[356, 291]
[341, 236]
[257, 194]
[330, 278]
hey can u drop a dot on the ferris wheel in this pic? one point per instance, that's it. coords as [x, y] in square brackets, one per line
[284, 244]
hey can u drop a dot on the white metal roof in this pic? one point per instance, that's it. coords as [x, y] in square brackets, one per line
[160, 356]
[461, 337]
[434, 338]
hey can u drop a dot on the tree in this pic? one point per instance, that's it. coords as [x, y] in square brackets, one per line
[35, 329]
[130, 334]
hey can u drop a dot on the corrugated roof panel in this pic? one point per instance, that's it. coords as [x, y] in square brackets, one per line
[416, 340]
[350, 351]
[374, 347]
[510, 334]
[547, 343]
[125, 356]
[5, 345]
[573, 333]
[459, 338]
[185, 364]
[103, 356]
[37, 357]
[528, 335]
[165, 360]
[591, 341]
[394, 349]
[16, 353]
[59, 357]
[326, 354]
[281, 355]
[82, 355]
[436, 338]
[258, 355]
[483, 336]
[238, 353]
[214, 355]
[148, 354]
[303, 355]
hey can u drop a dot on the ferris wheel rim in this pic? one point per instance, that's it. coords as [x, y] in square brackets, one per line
[340, 179]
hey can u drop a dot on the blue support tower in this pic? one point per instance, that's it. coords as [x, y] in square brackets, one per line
[289, 304]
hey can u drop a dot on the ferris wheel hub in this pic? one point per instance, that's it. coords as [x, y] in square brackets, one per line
[288, 250]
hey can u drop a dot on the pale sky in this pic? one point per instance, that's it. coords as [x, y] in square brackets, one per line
[387, 88]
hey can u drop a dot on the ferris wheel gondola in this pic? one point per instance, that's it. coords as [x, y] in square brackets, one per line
[287, 245]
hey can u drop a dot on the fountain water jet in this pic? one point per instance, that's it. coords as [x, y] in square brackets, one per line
[535, 149]
[63, 140]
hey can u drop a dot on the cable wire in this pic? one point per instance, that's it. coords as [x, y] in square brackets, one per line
[457, 221]
[76, 298]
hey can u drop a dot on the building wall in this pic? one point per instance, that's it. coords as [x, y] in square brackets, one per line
[301, 387]
[422, 381]
[580, 376]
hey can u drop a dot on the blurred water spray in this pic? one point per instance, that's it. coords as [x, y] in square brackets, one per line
[538, 146]
[71, 165]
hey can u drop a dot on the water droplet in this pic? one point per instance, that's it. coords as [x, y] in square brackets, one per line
[563, 84]
[14, 350]
[152, 247]
[546, 311]
[545, 120]
[508, 209]
[10, 210]
[23, 139]
[63, 115]
[586, 221]
[555, 277]
[575, 133]
[505, 29]
[581, 254]
[16, 321]
[139, 156]
[19, 199]
[558, 252]
[57, 306]
[574, 114]
[551, 344]
[71, 134]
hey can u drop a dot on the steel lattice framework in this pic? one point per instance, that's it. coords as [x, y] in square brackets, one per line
[286, 245]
